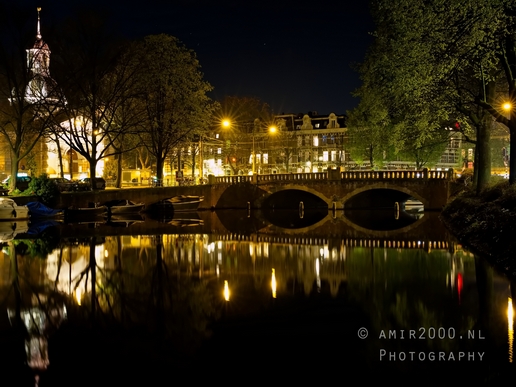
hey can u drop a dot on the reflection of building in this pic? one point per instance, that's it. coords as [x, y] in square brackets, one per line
[39, 321]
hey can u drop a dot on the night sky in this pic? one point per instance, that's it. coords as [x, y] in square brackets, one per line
[295, 56]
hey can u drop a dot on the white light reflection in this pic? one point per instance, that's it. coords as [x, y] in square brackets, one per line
[317, 274]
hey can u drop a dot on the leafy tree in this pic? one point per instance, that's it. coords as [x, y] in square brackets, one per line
[368, 127]
[173, 92]
[440, 60]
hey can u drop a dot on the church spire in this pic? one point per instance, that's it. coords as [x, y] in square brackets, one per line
[38, 35]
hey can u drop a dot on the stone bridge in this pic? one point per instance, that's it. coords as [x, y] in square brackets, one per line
[332, 190]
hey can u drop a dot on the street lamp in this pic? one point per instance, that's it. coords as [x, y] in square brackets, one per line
[271, 129]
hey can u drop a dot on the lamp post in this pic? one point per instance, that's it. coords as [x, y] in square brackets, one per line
[272, 129]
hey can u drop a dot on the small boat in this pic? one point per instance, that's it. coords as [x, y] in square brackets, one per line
[185, 202]
[39, 210]
[9, 210]
[85, 213]
[126, 207]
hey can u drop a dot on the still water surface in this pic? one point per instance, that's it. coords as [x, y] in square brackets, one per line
[231, 297]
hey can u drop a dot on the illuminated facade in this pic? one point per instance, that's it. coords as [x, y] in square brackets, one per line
[45, 156]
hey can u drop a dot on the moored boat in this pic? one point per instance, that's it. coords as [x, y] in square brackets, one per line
[125, 207]
[185, 202]
[85, 213]
[39, 210]
[9, 210]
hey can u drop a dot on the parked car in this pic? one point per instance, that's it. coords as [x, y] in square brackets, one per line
[85, 184]
[22, 182]
[63, 184]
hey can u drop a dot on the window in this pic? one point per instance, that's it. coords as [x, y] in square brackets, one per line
[316, 141]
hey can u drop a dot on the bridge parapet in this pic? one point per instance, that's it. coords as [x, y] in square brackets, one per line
[347, 175]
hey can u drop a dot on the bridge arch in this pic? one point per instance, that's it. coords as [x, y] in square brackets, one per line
[383, 185]
[274, 189]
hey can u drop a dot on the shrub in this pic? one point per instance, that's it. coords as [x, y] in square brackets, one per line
[45, 189]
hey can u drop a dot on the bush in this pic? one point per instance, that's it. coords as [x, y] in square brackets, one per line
[45, 189]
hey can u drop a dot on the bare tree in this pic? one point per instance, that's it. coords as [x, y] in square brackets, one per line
[28, 94]
[95, 78]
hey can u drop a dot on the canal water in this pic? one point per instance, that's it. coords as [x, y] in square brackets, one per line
[237, 297]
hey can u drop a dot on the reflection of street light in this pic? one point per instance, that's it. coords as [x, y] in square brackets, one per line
[273, 283]
[226, 291]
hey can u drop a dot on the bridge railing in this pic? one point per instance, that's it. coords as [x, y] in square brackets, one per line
[347, 175]
[293, 176]
[233, 179]
[390, 175]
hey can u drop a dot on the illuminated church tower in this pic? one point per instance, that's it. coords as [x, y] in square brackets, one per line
[41, 86]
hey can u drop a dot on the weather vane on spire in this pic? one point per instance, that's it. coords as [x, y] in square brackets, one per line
[39, 32]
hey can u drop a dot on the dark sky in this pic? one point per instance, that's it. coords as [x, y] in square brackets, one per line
[296, 56]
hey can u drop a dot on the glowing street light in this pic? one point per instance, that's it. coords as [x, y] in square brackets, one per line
[507, 106]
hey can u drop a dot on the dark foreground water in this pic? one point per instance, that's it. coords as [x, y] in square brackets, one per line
[195, 300]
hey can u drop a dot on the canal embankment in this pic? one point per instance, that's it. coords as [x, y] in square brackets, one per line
[486, 224]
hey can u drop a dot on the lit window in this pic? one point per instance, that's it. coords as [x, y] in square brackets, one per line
[219, 151]
[265, 158]
[316, 141]
[217, 135]
[325, 156]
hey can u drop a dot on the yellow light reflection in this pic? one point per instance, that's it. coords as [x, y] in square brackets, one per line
[273, 283]
[510, 326]
[226, 291]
